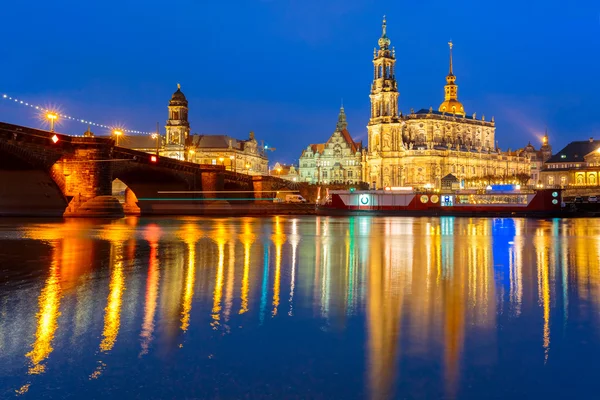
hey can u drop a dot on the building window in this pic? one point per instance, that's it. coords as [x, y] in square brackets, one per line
[349, 174]
[324, 174]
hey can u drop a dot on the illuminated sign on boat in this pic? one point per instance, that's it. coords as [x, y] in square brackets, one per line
[364, 199]
[447, 200]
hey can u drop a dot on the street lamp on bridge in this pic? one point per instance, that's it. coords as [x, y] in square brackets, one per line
[52, 117]
[156, 136]
[117, 133]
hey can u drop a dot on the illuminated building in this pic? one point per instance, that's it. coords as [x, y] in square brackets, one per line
[244, 156]
[178, 126]
[537, 158]
[336, 161]
[578, 164]
[283, 171]
[420, 148]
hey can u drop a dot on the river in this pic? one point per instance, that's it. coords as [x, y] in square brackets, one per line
[300, 308]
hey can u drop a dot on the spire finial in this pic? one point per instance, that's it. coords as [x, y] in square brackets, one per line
[342, 104]
[384, 27]
[178, 86]
[450, 44]
[341, 124]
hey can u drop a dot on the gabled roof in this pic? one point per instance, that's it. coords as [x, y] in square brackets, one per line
[450, 178]
[575, 151]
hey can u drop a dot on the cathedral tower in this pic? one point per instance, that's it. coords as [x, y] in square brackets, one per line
[384, 128]
[384, 90]
[178, 127]
[451, 105]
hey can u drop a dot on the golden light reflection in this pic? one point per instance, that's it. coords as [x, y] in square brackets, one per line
[190, 235]
[278, 239]
[247, 238]
[152, 235]
[541, 250]
[112, 312]
[47, 318]
[220, 237]
[230, 280]
[294, 240]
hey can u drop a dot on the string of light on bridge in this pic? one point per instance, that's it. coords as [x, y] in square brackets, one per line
[68, 117]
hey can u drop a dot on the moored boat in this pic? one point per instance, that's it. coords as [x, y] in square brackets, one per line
[493, 201]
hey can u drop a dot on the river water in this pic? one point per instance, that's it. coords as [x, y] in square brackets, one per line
[300, 308]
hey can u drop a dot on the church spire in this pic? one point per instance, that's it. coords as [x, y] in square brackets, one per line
[384, 42]
[451, 105]
[341, 124]
[450, 44]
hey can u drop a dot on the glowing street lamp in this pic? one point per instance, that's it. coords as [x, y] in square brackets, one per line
[278, 170]
[156, 136]
[191, 153]
[52, 117]
[221, 159]
[247, 168]
[117, 134]
[231, 162]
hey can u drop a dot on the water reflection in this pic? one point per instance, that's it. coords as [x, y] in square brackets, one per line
[423, 286]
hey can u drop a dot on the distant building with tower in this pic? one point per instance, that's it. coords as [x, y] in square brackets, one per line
[339, 160]
[245, 156]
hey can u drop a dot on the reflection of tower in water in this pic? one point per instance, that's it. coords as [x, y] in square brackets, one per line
[388, 281]
[190, 234]
[152, 235]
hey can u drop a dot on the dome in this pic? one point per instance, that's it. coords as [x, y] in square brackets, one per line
[384, 42]
[178, 97]
[452, 106]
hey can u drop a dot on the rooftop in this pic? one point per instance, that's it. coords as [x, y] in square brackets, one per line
[575, 151]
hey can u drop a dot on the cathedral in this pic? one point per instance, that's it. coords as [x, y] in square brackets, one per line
[422, 147]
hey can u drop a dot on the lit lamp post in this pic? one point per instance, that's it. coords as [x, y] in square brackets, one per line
[52, 117]
[191, 155]
[231, 162]
[221, 159]
[156, 136]
[247, 168]
[278, 171]
[117, 134]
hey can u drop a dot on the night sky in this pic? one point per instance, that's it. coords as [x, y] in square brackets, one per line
[281, 67]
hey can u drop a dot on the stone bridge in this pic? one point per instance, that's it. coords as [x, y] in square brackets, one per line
[46, 173]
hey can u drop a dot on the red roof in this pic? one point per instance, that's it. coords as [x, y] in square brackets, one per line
[353, 145]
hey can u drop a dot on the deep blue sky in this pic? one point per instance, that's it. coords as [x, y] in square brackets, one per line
[281, 67]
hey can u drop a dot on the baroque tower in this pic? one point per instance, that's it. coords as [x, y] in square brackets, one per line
[384, 128]
[178, 126]
[451, 105]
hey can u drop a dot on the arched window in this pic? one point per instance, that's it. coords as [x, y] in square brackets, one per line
[592, 179]
[579, 179]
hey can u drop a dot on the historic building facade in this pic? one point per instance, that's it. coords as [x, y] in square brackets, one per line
[537, 158]
[339, 160]
[178, 126]
[576, 165]
[420, 148]
[244, 156]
